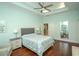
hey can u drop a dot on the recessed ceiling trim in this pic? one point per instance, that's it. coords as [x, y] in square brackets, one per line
[20, 4]
[25, 5]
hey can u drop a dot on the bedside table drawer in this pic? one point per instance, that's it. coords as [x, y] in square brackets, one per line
[16, 43]
[16, 46]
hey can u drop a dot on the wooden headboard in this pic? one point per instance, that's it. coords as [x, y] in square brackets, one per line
[27, 31]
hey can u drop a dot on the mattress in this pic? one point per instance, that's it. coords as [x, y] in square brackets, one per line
[37, 43]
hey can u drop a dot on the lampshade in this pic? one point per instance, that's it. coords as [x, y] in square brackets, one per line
[2, 22]
[15, 31]
[37, 29]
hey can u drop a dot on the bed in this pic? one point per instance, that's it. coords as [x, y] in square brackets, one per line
[37, 43]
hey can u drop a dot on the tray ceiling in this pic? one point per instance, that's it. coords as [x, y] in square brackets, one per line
[56, 8]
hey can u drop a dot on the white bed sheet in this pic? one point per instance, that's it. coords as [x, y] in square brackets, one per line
[37, 43]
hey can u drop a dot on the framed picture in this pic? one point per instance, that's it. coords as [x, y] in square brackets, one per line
[2, 27]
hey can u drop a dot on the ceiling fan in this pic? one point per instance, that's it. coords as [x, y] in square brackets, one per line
[44, 9]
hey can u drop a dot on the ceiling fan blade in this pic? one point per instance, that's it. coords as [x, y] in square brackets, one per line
[48, 9]
[37, 8]
[48, 6]
[41, 11]
[40, 4]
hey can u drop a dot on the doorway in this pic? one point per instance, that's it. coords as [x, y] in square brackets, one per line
[46, 29]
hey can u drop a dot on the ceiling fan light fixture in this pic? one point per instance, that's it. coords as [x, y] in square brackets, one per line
[45, 11]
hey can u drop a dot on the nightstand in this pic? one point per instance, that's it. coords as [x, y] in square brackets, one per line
[16, 43]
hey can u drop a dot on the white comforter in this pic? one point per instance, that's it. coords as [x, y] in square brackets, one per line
[37, 43]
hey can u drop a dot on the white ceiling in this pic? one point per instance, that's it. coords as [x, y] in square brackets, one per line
[54, 9]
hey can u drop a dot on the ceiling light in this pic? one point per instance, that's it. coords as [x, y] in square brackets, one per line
[62, 5]
[45, 11]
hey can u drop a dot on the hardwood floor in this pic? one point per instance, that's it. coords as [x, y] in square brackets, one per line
[59, 49]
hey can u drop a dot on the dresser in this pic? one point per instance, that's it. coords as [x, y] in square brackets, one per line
[15, 43]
